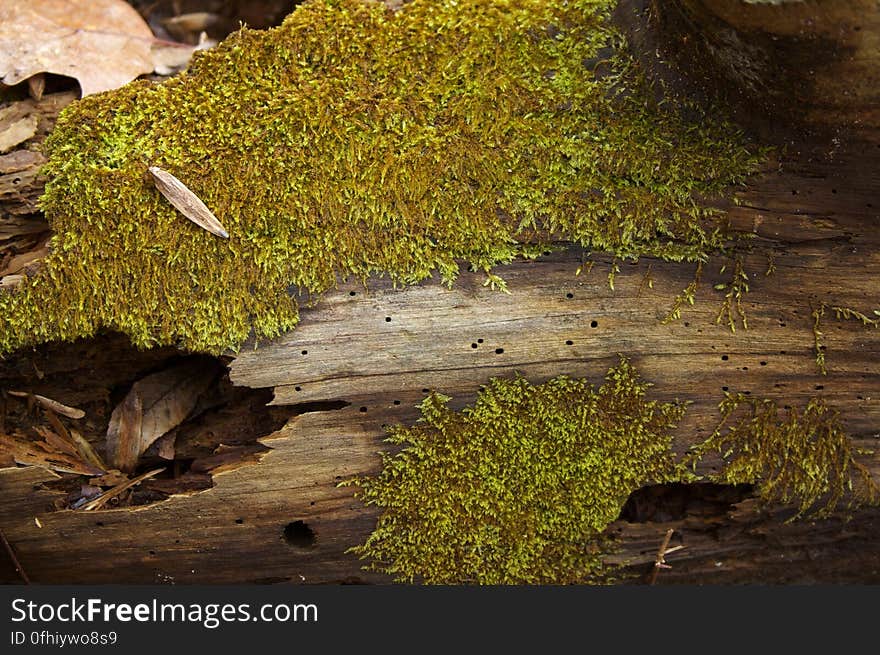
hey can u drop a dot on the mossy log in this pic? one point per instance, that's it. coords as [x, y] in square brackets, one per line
[813, 218]
[363, 356]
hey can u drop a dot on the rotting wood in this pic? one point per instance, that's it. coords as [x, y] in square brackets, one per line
[345, 350]
[815, 218]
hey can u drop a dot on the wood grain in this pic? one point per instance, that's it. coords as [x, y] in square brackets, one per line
[816, 217]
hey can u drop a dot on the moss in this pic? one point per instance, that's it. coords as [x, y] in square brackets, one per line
[518, 487]
[841, 314]
[804, 458]
[355, 141]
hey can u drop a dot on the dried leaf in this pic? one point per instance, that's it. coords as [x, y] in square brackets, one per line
[125, 432]
[53, 405]
[82, 448]
[86, 451]
[103, 44]
[155, 405]
[30, 452]
[186, 202]
[57, 442]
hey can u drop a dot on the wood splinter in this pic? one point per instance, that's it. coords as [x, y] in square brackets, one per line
[9, 551]
[186, 202]
[660, 560]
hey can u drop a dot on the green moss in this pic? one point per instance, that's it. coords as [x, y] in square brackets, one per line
[517, 488]
[801, 458]
[353, 141]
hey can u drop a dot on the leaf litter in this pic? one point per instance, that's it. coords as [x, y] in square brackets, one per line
[103, 44]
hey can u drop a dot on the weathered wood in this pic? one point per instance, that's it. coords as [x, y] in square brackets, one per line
[814, 214]
[816, 218]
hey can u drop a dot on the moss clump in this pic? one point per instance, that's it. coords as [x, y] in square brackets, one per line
[517, 488]
[802, 458]
[355, 141]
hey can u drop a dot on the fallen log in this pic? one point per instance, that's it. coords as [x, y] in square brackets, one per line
[364, 356]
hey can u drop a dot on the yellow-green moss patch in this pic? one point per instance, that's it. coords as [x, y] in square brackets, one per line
[356, 141]
[802, 458]
[518, 487]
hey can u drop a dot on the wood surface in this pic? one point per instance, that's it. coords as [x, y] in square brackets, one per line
[372, 352]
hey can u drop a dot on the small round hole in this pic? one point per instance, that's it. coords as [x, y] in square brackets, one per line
[387, 319]
[479, 341]
[297, 388]
[352, 293]
[569, 296]
[362, 409]
[473, 345]
[426, 390]
[396, 402]
[498, 351]
[725, 388]
[239, 521]
[569, 343]
[819, 387]
[305, 352]
[152, 552]
[724, 358]
[299, 535]
[594, 324]
[763, 363]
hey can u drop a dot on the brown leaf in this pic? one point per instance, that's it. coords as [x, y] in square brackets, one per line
[57, 442]
[125, 432]
[155, 405]
[86, 451]
[31, 452]
[186, 202]
[103, 44]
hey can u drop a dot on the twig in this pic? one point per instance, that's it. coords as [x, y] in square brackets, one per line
[101, 500]
[15, 562]
[659, 562]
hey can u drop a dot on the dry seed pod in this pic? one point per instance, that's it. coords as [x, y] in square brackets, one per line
[186, 202]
